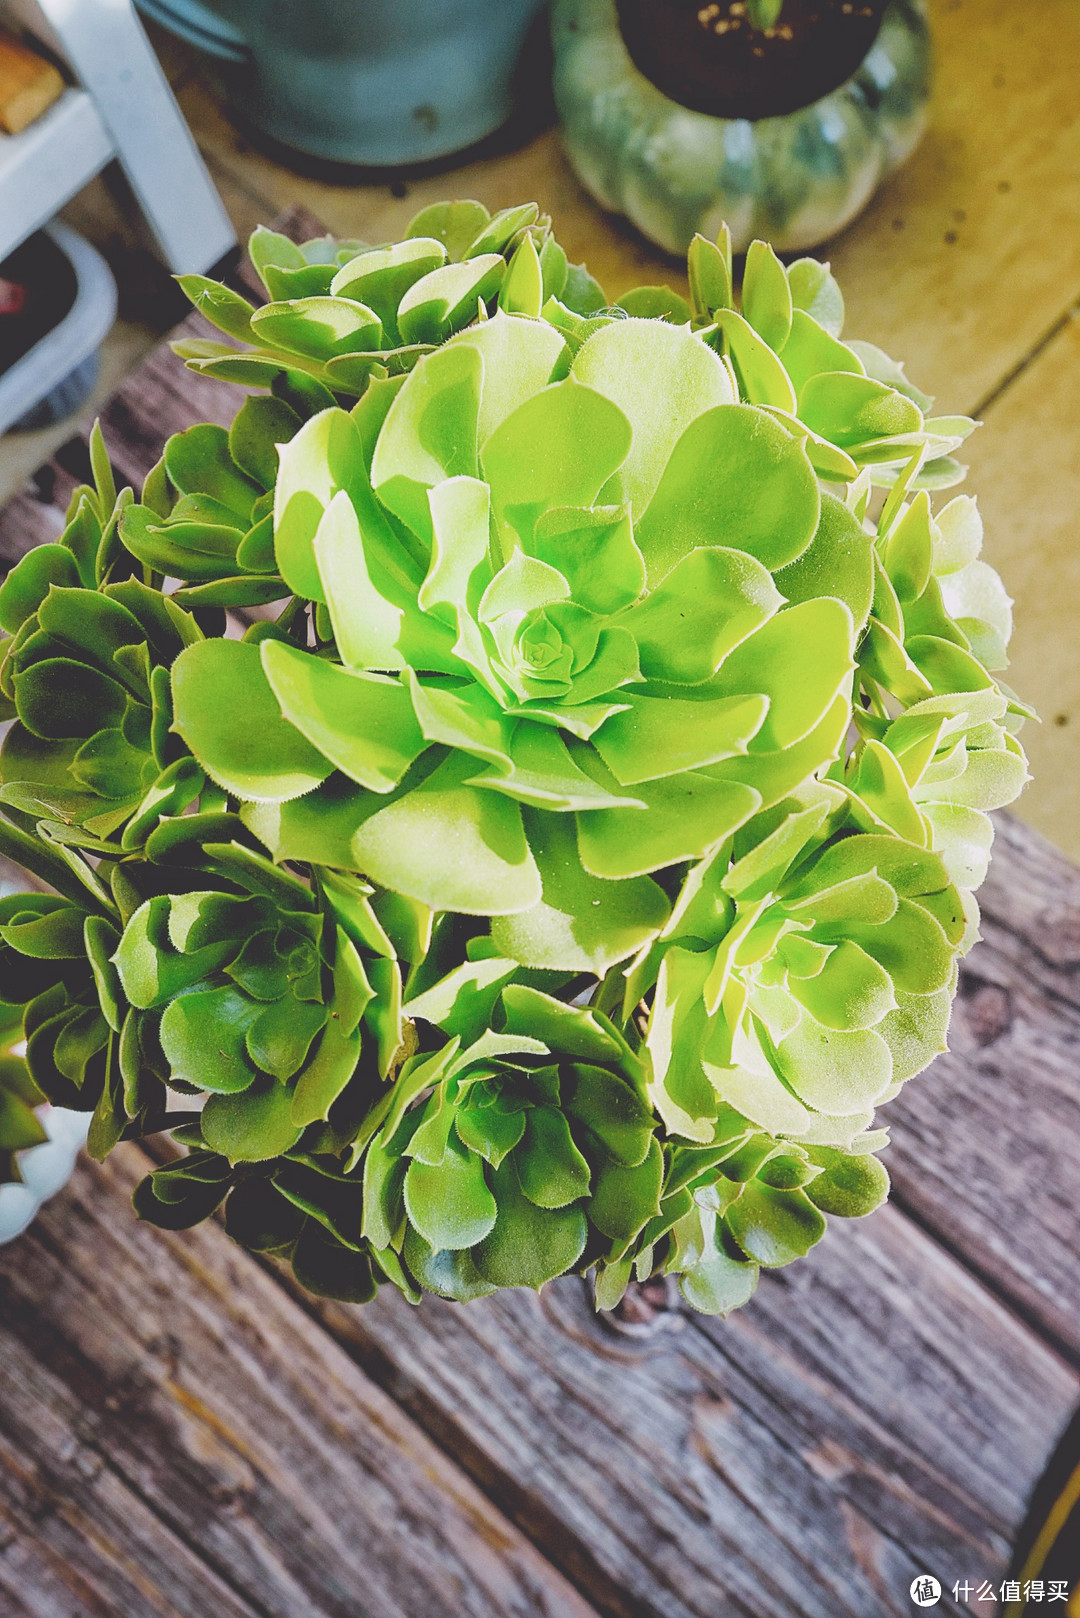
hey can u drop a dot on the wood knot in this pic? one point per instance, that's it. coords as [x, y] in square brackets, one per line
[830, 1461]
[987, 1011]
[646, 1308]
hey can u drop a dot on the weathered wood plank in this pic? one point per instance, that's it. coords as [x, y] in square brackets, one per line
[76, 1540]
[986, 1145]
[160, 397]
[163, 1392]
[873, 1413]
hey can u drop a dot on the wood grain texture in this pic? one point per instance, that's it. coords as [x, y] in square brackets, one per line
[873, 1412]
[160, 397]
[963, 262]
[986, 1145]
[184, 1438]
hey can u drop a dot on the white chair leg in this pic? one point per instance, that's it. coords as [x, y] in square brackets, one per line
[104, 43]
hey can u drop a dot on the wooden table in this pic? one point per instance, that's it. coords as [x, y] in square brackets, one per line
[182, 1433]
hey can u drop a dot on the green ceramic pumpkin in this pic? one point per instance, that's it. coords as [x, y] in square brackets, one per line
[795, 179]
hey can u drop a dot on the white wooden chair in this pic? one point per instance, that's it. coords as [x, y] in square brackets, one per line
[121, 107]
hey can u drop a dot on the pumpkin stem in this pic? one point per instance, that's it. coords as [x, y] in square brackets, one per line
[763, 14]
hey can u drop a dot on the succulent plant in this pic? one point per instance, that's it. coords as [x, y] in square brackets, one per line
[20, 1126]
[535, 1147]
[342, 313]
[565, 874]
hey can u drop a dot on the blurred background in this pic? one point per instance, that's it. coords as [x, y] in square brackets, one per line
[965, 264]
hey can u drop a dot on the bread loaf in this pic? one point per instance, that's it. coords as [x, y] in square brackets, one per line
[28, 84]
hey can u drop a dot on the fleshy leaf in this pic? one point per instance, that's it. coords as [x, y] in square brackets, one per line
[324, 457]
[686, 379]
[735, 478]
[363, 723]
[452, 846]
[227, 713]
[559, 448]
[450, 1203]
[203, 1036]
[528, 1245]
[774, 1227]
[250, 1127]
[429, 433]
[582, 923]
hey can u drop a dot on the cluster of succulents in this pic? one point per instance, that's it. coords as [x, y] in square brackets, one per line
[569, 842]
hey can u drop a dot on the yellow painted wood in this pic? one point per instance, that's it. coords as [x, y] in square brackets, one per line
[1025, 468]
[28, 84]
[971, 253]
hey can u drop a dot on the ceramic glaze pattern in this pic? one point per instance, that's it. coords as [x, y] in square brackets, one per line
[795, 180]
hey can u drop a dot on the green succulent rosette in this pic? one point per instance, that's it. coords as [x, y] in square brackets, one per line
[806, 971]
[342, 313]
[938, 747]
[565, 873]
[530, 1145]
[206, 513]
[557, 638]
[49, 943]
[256, 995]
[202, 990]
[739, 1203]
[523, 1148]
[85, 675]
[518, 1150]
